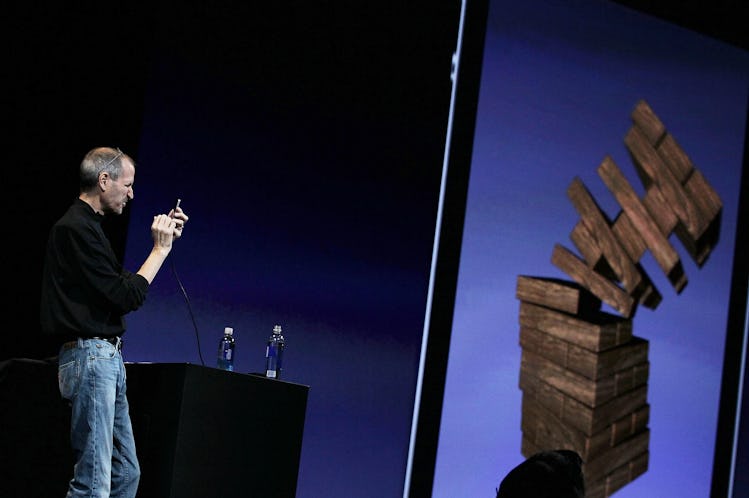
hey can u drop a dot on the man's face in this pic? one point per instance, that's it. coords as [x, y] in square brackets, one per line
[119, 191]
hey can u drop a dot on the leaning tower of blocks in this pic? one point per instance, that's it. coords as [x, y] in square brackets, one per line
[583, 372]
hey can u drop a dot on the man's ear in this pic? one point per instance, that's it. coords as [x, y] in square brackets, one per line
[104, 180]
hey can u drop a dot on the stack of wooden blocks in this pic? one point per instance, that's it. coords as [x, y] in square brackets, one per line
[583, 373]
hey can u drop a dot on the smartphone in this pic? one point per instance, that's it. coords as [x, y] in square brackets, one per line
[176, 205]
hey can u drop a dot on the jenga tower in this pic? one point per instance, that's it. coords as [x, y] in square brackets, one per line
[583, 373]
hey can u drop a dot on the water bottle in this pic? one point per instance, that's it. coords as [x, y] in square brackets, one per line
[226, 350]
[274, 354]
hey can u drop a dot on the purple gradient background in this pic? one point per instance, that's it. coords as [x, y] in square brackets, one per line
[559, 82]
[310, 172]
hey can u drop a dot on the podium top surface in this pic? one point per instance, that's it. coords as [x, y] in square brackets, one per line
[194, 367]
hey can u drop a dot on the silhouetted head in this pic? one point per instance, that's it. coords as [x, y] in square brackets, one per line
[548, 474]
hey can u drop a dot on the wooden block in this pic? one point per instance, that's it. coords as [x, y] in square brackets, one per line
[668, 223]
[601, 234]
[646, 293]
[591, 251]
[698, 244]
[597, 332]
[628, 234]
[633, 243]
[587, 391]
[618, 478]
[710, 204]
[543, 428]
[630, 425]
[665, 218]
[587, 419]
[557, 294]
[646, 159]
[664, 254]
[528, 448]
[674, 157]
[604, 464]
[645, 119]
[702, 192]
[591, 364]
[606, 290]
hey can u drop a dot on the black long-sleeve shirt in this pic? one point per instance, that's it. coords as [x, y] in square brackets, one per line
[85, 291]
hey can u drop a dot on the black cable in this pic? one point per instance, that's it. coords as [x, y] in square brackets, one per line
[189, 307]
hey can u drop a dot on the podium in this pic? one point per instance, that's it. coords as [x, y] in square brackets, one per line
[200, 432]
[35, 456]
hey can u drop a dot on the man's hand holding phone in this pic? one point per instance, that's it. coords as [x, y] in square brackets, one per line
[179, 217]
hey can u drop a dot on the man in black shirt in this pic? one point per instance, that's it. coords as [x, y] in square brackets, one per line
[85, 294]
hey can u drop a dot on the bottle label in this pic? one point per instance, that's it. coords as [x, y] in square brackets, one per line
[226, 354]
[273, 352]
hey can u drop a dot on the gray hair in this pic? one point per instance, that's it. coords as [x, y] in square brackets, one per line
[97, 161]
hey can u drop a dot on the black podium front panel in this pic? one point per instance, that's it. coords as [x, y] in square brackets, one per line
[207, 433]
[200, 432]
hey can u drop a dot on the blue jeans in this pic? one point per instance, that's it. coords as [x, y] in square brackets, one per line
[91, 376]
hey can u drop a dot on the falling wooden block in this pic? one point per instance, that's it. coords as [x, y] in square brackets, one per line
[650, 124]
[665, 218]
[587, 244]
[591, 251]
[600, 232]
[703, 207]
[662, 250]
[652, 167]
[606, 290]
[709, 203]
[627, 232]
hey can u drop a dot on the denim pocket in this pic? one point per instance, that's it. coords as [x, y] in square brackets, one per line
[68, 378]
[104, 350]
